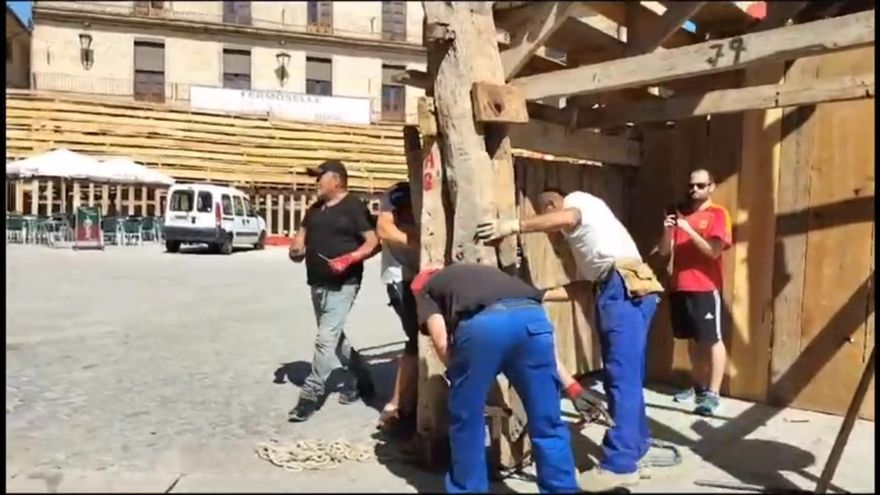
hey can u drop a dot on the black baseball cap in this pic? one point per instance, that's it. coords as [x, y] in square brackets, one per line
[399, 195]
[335, 166]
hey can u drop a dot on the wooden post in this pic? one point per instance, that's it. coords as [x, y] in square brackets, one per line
[303, 205]
[35, 197]
[269, 230]
[462, 50]
[19, 197]
[91, 194]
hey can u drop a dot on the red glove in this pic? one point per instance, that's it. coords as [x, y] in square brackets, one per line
[341, 263]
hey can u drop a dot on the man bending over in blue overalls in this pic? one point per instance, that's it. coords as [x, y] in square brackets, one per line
[484, 322]
[626, 298]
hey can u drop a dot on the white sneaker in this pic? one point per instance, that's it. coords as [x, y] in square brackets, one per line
[600, 480]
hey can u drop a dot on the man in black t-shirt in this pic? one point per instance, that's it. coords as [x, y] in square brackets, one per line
[483, 322]
[335, 237]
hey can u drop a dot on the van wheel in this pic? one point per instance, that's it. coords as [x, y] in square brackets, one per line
[172, 246]
[226, 247]
[261, 242]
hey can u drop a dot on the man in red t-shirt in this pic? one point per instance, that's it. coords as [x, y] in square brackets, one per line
[696, 234]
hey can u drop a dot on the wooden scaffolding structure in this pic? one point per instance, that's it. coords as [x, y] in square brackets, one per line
[621, 84]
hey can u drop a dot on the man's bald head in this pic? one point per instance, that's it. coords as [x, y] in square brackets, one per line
[550, 200]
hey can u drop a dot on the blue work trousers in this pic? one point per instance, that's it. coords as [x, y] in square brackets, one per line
[512, 337]
[623, 323]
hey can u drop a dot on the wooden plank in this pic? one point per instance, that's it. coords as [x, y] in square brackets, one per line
[755, 241]
[791, 243]
[91, 200]
[669, 23]
[775, 45]
[836, 286]
[35, 197]
[760, 97]
[553, 139]
[117, 202]
[157, 201]
[543, 19]
[498, 103]
[412, 77]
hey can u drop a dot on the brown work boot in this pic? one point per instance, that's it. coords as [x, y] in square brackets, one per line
[601, 480]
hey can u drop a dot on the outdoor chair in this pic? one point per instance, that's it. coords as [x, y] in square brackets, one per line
[111, 230]
[15, 229]
[131, 231]
[149, 229]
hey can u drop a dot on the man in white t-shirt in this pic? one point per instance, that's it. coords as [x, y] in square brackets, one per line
[606, 255]
[395, 227]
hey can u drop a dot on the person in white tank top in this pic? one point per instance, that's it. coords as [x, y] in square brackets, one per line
[597, 240]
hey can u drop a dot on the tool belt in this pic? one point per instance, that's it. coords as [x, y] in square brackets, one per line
[638, 277]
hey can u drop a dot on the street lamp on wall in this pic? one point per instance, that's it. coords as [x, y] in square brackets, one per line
[283, 59]
[86, 54]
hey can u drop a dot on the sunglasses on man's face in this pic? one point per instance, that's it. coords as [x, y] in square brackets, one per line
[698, 185]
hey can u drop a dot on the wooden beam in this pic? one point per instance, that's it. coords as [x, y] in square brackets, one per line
[498, 103]
[776, 45]
[733, 100]
[544, 19]
[669, 23]
[582, 144]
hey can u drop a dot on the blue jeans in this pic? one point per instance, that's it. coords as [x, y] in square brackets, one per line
[512, 337]
[332, 348]
[623, 323]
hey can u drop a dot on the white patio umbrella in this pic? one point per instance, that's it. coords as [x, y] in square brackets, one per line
[122, 169]
[61, 163]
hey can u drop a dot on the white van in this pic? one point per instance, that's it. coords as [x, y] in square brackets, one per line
[221, 217]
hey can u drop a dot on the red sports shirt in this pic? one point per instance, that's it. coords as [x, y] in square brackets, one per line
[692, 270]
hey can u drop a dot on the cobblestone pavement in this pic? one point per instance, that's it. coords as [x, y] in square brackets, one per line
[135, 370]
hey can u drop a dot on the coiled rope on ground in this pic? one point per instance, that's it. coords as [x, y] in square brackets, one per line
[305, 455]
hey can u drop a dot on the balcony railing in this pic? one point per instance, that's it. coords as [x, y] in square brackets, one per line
[175, 92]
[174, 12]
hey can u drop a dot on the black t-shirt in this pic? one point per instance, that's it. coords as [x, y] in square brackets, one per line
[460, 291]
[332, 232]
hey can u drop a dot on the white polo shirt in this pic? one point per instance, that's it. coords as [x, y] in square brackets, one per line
[599, 239]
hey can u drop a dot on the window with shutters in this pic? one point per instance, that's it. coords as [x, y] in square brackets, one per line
[320, 17]
[148, 8]
[319, 80]
[149, 71]
[394, 21]
[393, 94]
[236, 69]
[237, 13]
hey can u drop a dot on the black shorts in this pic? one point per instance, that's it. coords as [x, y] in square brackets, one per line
[400, 297]
[696, 315]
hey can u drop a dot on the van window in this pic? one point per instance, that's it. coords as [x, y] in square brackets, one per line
[248, 208]
[227, 204]
[239, 206]
[181, 201]
[204, 204]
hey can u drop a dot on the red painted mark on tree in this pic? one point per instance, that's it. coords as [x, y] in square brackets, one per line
[428, 166]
